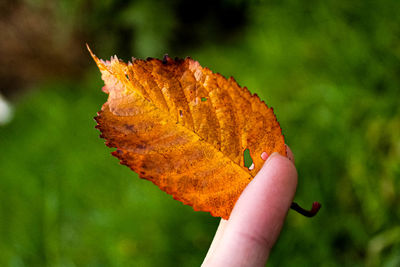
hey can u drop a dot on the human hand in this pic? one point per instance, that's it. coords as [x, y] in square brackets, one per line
[258, 216]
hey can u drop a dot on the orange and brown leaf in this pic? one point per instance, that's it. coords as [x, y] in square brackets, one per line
[185, 128]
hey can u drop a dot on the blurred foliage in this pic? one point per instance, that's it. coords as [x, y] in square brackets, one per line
[330, 69]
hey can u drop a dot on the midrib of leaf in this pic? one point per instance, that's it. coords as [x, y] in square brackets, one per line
[179, 124]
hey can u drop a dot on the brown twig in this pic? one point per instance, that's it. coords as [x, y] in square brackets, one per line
[308, 213]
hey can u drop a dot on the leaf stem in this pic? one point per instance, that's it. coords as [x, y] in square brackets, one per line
[308, 213]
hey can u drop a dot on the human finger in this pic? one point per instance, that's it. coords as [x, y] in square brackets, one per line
[257, 217]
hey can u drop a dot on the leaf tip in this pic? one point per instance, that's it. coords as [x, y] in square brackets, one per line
[91, 52]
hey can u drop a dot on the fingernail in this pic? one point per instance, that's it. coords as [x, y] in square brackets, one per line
[264, 156]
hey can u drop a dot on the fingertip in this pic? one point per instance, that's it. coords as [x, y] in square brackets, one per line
[270, 192]
[271, 157]
[283, 167]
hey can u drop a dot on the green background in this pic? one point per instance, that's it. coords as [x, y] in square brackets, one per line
[330, 70]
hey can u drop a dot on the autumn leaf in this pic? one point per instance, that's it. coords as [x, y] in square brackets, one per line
[186, 129]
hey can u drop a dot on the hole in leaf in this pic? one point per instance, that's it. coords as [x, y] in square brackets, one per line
[180, 113]
[126, 75]
[204, 99]
[248, 161]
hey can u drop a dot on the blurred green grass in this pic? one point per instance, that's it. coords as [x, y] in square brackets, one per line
[331, 72]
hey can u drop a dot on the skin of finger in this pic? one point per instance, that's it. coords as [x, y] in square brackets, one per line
[258, 216]
[218, 236]
[289, 153]
[223, 223]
